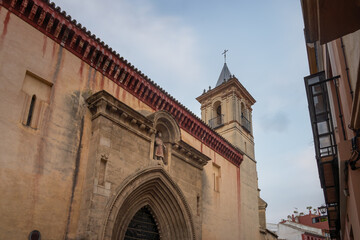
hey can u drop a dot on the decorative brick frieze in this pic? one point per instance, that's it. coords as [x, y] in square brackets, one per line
[60, 27]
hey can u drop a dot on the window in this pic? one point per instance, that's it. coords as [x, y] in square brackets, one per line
[242, 110]
[315, 220]
[198, 205]
[37, 93]
[245, 122]
[319, 108]
[216, 177]
[217, 116]
[102, 171]
[31, 110]
[35, 235]
[218, 111]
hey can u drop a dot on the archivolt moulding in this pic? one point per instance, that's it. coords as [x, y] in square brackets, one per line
[154, 188]
[167, 125]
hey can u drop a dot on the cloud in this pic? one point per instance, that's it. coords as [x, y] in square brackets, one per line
[294, 179]
[142, 35]
[162, 46]
[275, 122]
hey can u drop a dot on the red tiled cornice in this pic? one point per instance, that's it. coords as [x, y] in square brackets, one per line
[49, 19]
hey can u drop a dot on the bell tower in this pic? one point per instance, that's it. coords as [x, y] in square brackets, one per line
[227, 109]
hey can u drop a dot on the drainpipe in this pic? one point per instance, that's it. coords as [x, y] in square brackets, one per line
[336, 83]
[346, 68]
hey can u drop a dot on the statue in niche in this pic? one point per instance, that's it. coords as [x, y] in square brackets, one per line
[159, 147]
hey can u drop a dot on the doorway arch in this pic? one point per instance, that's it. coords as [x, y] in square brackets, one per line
[153, 189]
[143, 226]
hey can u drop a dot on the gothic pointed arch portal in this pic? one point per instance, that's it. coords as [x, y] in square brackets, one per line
[142, 226]
[153, 193]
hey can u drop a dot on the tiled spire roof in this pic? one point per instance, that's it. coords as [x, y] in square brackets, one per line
[224, 75]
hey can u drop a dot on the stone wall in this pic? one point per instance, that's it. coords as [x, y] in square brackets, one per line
[73, 168]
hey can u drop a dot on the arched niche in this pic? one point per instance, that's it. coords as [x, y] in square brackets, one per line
[154, 189]
[165, 124]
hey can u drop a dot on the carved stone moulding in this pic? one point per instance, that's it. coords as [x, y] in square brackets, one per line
[190, 154]
[104, 104]
[152, 188]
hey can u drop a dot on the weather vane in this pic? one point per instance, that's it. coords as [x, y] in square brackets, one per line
[224, 53]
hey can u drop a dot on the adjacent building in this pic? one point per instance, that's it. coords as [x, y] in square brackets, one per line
[332, 39]
[302, 227]
[91, 148]
[289, 230]
[265, 233]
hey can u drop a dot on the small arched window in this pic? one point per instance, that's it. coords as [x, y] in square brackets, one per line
[242, 109]
[31, 110]
[35, 235]
[245, 121]
[218, 111]
[217, 119]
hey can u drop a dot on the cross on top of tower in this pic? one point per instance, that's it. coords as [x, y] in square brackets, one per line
[225, 73]
[224, 53]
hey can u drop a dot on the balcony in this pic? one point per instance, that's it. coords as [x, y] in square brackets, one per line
[217, 121]
[245, 123]
[320, 115]
[324, 140]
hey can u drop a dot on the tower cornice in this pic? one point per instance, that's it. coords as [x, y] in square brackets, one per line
[231, 83]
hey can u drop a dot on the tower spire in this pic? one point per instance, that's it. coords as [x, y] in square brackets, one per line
[225, 72]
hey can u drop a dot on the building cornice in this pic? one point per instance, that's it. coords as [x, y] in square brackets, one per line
[60, 27]
[227, 85]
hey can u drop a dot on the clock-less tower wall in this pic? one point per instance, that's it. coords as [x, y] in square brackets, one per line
[227, 109]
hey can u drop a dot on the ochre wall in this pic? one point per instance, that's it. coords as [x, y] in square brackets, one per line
[38, 166]
[221, 206]
[231, 100]
[249, 202]
[48, 173]
[352, 52]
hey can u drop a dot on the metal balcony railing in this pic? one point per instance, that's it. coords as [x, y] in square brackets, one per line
[245, 123]
[217, 121]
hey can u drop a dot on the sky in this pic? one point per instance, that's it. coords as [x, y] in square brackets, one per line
[179, 45]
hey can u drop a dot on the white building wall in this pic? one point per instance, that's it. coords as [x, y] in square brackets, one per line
[292, 230]
[288, 233]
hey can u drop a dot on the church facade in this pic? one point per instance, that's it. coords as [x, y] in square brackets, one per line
[93, 149]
